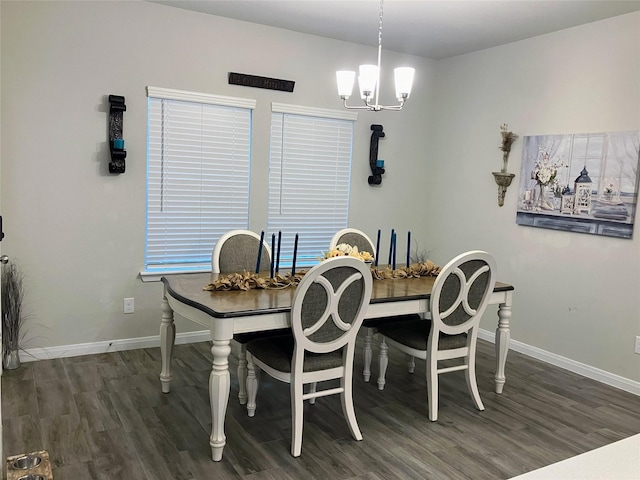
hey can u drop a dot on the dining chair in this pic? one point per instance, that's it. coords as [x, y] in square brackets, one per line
[355, 237]
[234, 252]
[328, 307]
[458, 300]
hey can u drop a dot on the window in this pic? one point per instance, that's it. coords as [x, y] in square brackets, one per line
[309, 178]
[198, 160]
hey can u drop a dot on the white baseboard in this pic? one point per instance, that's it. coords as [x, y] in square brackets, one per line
[33, 354]
[608, 378]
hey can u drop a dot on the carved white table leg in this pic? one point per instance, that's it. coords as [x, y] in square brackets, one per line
[503, 335]
[219, 387]
[167, 340]
[383, 361]
[252, 387]
[366, 371]
[242, 375]
[411, 364]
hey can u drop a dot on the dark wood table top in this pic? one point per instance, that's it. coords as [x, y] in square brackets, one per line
[189, 289]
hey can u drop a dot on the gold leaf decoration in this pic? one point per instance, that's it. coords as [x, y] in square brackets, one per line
[247, 281]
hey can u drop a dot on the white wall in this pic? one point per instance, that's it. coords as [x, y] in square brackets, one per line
[576, 295]
[79, 232]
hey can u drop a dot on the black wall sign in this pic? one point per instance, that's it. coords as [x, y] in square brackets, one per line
[260, 82]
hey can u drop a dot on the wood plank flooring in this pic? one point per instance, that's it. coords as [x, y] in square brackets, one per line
[104, 417]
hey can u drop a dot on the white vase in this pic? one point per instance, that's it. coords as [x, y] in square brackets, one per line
[542, 199]
[11, 359]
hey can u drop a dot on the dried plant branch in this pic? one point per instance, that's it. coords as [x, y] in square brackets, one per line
[12, 306]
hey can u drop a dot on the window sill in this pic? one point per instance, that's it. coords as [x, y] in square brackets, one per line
[156, 276]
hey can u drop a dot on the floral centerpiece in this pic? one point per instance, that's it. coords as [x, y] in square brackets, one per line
[248, 280]
[346, 250]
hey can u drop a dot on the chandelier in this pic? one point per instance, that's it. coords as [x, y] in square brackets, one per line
[369, 82]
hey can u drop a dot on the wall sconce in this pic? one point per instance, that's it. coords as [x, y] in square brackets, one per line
[116, 142]
[377, 166]
[502, 178]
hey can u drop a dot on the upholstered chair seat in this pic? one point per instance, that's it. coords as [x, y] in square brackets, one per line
[414, 334]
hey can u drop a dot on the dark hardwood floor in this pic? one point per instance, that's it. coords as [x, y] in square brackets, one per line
[104, 417]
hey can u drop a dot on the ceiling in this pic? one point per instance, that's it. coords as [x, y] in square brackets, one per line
[429, 28]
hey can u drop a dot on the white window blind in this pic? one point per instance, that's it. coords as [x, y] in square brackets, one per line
[198, 160]
[309, 178]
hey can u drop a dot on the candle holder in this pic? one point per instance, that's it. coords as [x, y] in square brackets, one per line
[116, 142]
[503, 180]
[376, 171]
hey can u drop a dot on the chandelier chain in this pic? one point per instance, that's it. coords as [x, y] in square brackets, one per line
[380, 26]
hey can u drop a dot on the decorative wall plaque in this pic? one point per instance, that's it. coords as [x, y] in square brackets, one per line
[260, 82]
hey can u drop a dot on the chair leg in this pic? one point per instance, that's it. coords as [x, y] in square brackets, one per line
[383, 361]
[368, 340]
[432, 387]
[312, 389]
[297, 409]
[252, 386]
[411, 364]
[347, 409]
[472, 384]
[242, 374]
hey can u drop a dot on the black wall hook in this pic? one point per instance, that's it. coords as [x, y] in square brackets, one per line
[116, 142]
[376, 172]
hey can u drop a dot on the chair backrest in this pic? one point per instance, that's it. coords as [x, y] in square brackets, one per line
[461, 292]
[355, 238]
[329, 306]
[237, 250]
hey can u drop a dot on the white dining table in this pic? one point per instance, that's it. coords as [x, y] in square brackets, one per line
[226, 313]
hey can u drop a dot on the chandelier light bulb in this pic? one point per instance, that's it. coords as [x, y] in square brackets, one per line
[345, 79]
[404, 82]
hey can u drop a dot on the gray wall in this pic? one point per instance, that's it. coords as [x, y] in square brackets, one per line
[79, 232]
[576, 295]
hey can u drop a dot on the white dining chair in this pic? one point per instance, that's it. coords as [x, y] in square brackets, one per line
[235, 252]
[355, 237]
[458, 300]
[328, 307]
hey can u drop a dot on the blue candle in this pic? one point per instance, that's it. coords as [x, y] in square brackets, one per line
[295, 253]
[391, 246]
[260, 252]
[273, 250]
[278, 255]
[408, 248]
[377, 248]
[394, 251]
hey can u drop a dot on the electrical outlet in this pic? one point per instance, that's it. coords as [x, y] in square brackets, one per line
[637, 350]
[129, 306]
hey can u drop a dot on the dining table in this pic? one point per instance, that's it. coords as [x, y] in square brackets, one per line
[229, 312]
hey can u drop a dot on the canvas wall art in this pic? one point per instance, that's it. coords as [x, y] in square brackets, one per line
[585, 183]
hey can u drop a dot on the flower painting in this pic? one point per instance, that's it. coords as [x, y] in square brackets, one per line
[584, 183]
